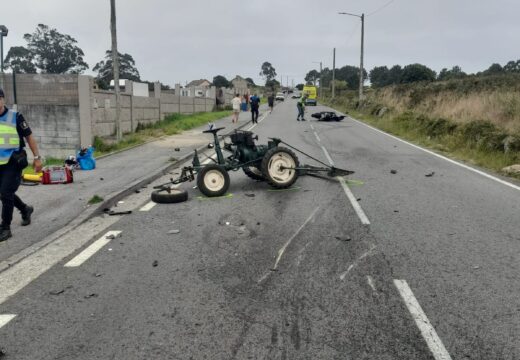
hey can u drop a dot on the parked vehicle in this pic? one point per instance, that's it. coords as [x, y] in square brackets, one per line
[280, 96]
[311, 92]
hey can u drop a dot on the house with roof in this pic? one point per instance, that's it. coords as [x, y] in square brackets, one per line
[202, 83]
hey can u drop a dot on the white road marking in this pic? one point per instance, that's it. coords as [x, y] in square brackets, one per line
[24, 272]
[288, 242]
[317, 137]
[148, 206]
[371, 283]
[327, 155]
[344, 274]
[355, 204]
[259, 121]
[4, 319]
[428, 332]
[92, 249]
[516, 187]
[312, 127]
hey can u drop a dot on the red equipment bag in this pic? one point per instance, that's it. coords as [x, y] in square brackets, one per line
[57, 175]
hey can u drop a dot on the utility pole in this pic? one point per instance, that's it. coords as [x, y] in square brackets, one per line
[334, 73]
[3, 32]
[321, 77]
[115, 64]
[362, 17]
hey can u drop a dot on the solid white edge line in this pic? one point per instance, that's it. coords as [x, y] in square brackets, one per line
[4, 319]
[92, 249]
[421, 320]
[357, 208]
[148, 206]
[516, 187]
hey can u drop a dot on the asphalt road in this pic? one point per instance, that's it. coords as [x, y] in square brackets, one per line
[397, 265]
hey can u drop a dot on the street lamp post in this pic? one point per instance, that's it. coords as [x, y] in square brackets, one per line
[362, 17]
[321, 73]
[3, 32]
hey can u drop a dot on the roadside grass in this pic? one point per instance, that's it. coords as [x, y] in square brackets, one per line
[96, 199]
[478, 142]
[172, 124]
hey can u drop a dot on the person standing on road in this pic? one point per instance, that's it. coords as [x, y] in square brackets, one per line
[301, 107]
[270, 101]
[236, 102]
[13, 159]
[255, 105]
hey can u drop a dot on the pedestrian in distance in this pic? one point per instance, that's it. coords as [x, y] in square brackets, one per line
[236, 102]
[255, 105]
[270, 102]
[14, 131]
[300, 105]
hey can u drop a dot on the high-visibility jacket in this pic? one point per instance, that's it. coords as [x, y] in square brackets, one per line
[9, 139]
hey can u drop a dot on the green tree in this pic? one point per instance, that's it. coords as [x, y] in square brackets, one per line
[105, 69]
[512, 67]
[53, 52]
[221, 82]
[312, 76]
[272, 84]
[350, 74]
[299, 87]
[394, 75]
[455, 73]
[268, 71]
[250, 81]
[20, 60]
[417, 72]
[494, 69]
[326, 77]
[340, 85]
[379, 76]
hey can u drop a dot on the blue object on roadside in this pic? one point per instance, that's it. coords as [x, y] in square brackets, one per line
[85, 158]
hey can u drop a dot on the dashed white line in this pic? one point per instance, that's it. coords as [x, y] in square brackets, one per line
[516, 187]
[428, 332]
[92, 249]
[312, 127]
[327, 155]
[148, 206]
[4, 319]
[317, 137]
[357, 208]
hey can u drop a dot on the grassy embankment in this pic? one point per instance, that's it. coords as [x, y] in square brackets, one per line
[476, 120]
[173, 124]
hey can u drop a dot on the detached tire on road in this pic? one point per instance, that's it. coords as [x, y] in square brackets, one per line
[278, 167]
[213, 180]
[253, 173]
[173, 196]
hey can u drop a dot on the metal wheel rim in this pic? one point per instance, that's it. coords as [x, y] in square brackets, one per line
[276, 163]
[214, 180]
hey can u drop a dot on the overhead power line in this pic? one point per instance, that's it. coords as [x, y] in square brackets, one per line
[381, 8]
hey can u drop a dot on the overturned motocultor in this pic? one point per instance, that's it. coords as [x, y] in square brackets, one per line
[276, 164]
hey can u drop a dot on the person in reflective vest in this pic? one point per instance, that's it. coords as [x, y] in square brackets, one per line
[300, 105]
[14, 131]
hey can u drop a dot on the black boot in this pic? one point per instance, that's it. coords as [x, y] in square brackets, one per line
[5, 233]
[26, 215]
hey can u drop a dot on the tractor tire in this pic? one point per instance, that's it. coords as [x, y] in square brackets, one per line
[213, 180]
[174, 196]
[254, 173]
[271, 163]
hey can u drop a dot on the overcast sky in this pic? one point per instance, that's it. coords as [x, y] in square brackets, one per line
[177, 41]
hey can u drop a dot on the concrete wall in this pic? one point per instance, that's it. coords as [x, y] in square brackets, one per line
[65, 112]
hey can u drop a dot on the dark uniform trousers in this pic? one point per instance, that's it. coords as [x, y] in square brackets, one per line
[10, 179]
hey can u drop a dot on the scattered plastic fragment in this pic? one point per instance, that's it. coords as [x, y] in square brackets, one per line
[93, 295]
[155, 263]
[430, 174]
[250, 195]
[57, 292]
[175, 231]
[393, 171]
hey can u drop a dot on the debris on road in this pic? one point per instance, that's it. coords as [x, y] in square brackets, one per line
[430, 174]
[155, 263]
[358, 199]
[177, 149]
[249, 195]
[137, 191]
[228, 223]
[343, 238]
[112, 212]
[98, 275]
[112, 236]
[93, 295]
[393, 171]
[101, 179]
[57, 292]
[175, 231]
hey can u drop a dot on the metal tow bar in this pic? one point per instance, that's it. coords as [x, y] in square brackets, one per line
[331, 171]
